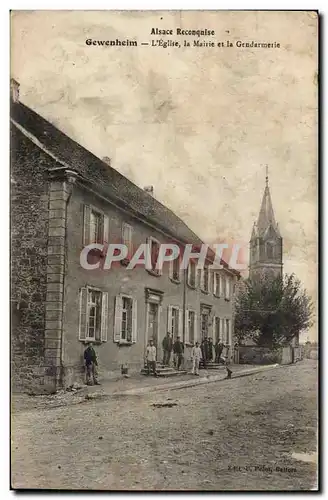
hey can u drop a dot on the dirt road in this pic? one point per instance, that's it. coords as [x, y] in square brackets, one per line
[234, 435]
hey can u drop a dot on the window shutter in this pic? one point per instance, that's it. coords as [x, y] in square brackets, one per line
[187, 333]
[229, 331]
[148, 255]
[180, 324]
[83, 313]
[104, 317]
[105, 229]
[134, 321]
[196, 328]
[201, 279]
[86, 224]
[169, 319]
[171, 269]
[213, 328]
[222, 331]
[221, 285]
[117, 318]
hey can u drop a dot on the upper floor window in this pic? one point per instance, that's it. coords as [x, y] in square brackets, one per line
[95, 226]
[175, 270]
[93, 314]
[153, 248]
[227, 287]
[204, 279]
[217, 288]
[127, 238]
[192, 273]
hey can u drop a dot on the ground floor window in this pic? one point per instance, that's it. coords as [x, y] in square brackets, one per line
[204, 320]
[174, 321]
[217, 329]
[125, 320]
[93, 314]
[228, 332]
[190, 326]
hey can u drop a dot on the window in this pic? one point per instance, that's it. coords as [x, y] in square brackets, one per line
[192, 274]
[217, 284]
[125, 320]
[153, 246]
[217, 329]
[174, 321]
[127, 238]
[270, 250]
[96, 232]
[190, 326]
[204, 279]
[175, 270]
[228, 332]
[204, 324]
[227, 288]
[93, 315]
[95, 226]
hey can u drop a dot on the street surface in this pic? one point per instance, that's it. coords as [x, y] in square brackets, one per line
[231, 435]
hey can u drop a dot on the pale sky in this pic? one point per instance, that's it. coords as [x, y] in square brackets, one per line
[199, 124]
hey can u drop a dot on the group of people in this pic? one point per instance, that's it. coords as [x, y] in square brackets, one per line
[202, 353]
[169, 346]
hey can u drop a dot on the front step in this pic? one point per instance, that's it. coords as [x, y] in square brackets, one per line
[212, 366]
[165, 371]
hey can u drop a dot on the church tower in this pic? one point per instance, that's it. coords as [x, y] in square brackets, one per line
[266, 244]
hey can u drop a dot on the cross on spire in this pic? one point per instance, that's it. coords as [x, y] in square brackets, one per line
[266, 175]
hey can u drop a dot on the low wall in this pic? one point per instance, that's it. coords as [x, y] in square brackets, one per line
[266, 356]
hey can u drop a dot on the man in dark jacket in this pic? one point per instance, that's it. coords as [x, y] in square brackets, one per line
[167, 345]
[210, 349]
[205, 351]
[178, 350]
[91, 363]
[218, 351]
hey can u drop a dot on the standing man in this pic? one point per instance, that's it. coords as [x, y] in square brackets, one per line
[178, 349]
[151, 357]
[204, 349]
[218, 350]
[91, 363]
[196, 356]
[167, 349]
[210, 349]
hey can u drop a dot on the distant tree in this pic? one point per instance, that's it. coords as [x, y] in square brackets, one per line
[272, 311]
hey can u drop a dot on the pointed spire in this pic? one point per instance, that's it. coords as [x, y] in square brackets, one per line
[254, 231]
[266, 215]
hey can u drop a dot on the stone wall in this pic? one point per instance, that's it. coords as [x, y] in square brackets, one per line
[29, 232]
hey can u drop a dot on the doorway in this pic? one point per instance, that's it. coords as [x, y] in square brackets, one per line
[152, 323]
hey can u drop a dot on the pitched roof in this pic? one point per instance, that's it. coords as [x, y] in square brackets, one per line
[117, 187]
[266, 216]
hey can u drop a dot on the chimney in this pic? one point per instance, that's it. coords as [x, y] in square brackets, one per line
[14, 90]
[149, 190]
[107, 160]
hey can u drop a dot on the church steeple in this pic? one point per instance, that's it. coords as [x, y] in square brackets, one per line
[266, 215]
[266, 241]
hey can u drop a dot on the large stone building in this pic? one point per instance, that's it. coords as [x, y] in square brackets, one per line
[266, 243]
[63, 198]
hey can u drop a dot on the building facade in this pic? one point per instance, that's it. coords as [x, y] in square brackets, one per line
[63, 198]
